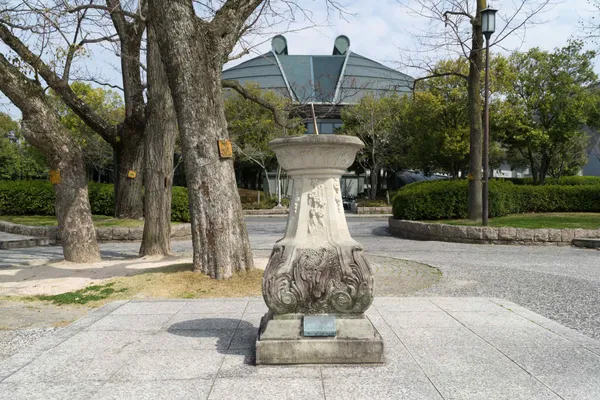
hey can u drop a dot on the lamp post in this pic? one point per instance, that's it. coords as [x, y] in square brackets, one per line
[488, 26]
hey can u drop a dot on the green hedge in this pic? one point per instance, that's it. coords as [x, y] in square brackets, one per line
[26, 198]
[565, 180]
[448, 199]
[37, 198]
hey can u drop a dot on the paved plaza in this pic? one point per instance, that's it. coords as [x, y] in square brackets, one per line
[436, 348]
[502, 322]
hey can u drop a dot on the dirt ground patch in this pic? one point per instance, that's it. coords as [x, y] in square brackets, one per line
[60, 277]
[37, 314]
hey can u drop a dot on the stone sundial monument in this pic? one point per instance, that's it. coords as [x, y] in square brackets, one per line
[317, 283]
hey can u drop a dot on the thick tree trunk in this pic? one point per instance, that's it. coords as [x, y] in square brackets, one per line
[128, 146]
[41, 128]
[161, 132]
[72, 205]
[129, 156]
[475, 119]
[193, 57]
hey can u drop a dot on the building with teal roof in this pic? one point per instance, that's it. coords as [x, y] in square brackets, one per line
[326, 83]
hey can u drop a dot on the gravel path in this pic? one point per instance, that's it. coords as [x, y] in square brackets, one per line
[560, 283]
[12, 341]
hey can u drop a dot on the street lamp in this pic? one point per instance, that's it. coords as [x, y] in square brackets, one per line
[488, 26]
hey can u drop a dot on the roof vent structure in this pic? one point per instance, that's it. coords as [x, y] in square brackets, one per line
[279, 45]
[341, 45]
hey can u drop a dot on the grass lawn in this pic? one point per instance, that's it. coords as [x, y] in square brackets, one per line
[174, 281]
[534, 220]
[46, 220]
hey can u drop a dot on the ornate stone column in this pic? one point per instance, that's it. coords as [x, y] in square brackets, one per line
[317, 267]
[317, 283]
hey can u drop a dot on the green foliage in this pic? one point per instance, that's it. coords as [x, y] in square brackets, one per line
[108, 104]
[83, 296]
[437, 123]
[565, 180]
[37, 198]
[251, 126]
[26, 198]
[448, 199]
[180, 210]
[102, 198]
[378, 123]
[543, 105]
[18, 160]
[371, 203]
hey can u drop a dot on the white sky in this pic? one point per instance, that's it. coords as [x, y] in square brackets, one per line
[383, 30]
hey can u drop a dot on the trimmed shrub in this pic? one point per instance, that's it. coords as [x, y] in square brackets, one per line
[371, 203]
[448, 199]
[565, 180]
[265, 204]
[102, 199]
[37, 198]
[26, 198]
[180, 209]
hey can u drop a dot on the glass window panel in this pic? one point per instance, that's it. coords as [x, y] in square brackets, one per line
[326, 128]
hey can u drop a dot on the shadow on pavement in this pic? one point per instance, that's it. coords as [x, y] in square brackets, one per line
[381, 231]
[243, 338]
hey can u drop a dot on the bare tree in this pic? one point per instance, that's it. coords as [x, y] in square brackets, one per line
[195, 41]
[42, 128]
[59, 31]
[455, 29]
[161, 132]
[194, 51]
[111, 24]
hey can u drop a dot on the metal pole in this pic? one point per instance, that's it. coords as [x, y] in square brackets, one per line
[486, 135]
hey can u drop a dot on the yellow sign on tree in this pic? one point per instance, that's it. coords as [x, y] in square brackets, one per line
[225, 150]
[54, 177]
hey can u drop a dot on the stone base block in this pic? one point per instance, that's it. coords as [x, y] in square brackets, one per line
[281, 341]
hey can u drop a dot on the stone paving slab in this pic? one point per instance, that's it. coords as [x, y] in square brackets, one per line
[436, 349]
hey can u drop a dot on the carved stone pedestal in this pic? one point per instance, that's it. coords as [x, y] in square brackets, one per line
[317, 268]
[281, 341]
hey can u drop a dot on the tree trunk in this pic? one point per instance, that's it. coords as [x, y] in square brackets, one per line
[544, 167]
[475, 119]
[374, 180]
[534, 170]
[129, 156]
[42, 128]
[159, 144]
[268, 181]
[193, 57]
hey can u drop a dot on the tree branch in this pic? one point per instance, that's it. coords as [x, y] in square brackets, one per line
[83, 110]
[229, 21]
[438, 75]
[279, 116]
[446, 13]
[111, 9]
